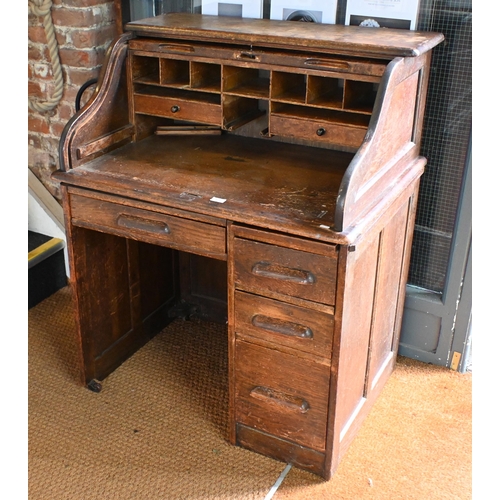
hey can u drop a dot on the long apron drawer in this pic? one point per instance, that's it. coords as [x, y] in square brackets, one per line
[161, 229]
[282, 394]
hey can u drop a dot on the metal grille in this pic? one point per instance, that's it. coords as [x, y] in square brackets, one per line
[446, 137]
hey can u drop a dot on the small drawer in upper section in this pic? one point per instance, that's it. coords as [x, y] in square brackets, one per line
[179, 105]
[177, 89]
[324, 126]
[274, 270]
[175, 231]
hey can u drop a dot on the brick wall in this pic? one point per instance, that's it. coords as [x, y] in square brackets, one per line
[84, 30]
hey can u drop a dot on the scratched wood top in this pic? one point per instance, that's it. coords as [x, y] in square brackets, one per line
[340, 39]
[274, 185]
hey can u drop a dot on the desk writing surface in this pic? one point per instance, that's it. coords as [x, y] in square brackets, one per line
[276, 185]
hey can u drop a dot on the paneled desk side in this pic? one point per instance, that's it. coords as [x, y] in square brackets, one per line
[270, 185]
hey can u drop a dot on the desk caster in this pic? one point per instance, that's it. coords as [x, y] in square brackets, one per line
[94, 385]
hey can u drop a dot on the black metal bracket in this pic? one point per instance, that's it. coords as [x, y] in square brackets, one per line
[82, 89]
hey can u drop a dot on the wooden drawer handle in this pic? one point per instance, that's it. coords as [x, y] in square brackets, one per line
[324, 63]
[275, 271]
[176, 47]
[248, 55]
[282, 399]
[132, 222]
[283, 327]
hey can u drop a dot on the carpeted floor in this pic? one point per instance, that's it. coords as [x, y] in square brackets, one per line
[158, 428]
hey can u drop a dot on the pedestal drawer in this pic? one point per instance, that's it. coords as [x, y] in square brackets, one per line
[283, 324]
[261, 267]
[281, 394]
[161, 229]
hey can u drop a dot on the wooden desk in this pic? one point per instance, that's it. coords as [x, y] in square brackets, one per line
[290, 216]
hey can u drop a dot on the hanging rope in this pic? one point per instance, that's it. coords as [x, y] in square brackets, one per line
[42, 8]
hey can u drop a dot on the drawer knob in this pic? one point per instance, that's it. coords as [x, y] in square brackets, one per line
[276, 325]
[321, 131]
[175, 108]
[275, 271]
[282, 399]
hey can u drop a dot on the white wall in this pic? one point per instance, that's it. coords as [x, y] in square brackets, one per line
[41, 222]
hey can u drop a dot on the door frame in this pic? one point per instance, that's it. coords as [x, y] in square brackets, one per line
[437, 327]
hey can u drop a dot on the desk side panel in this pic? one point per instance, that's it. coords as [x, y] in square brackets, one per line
[103, 123]
[391, 144]
[371, 287]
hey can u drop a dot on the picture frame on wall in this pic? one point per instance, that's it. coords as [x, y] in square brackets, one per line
[399, 14]
[316, 11]
[233, 8]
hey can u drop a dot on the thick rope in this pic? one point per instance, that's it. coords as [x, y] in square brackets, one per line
[42, 8]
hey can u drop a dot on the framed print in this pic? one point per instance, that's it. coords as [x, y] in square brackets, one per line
[400, 14]
[315, 11]
[235, 8]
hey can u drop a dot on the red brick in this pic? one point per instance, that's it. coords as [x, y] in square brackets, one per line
[34, 89]
[34, 20]
[37, 124]
[81, 3]
[34, 53]
[51, 144]
[60, 37]
[78, 76]
[81, 58]
[94, 37]
[48, 88]
[37, 34]
[42, 71]
[38, 157]
[39, 53]
[34, 140]
[66, 110]
[56, 129]
[83, 18]
[69, 93]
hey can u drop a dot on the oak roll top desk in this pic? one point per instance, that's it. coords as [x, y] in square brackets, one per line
[258, 172]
